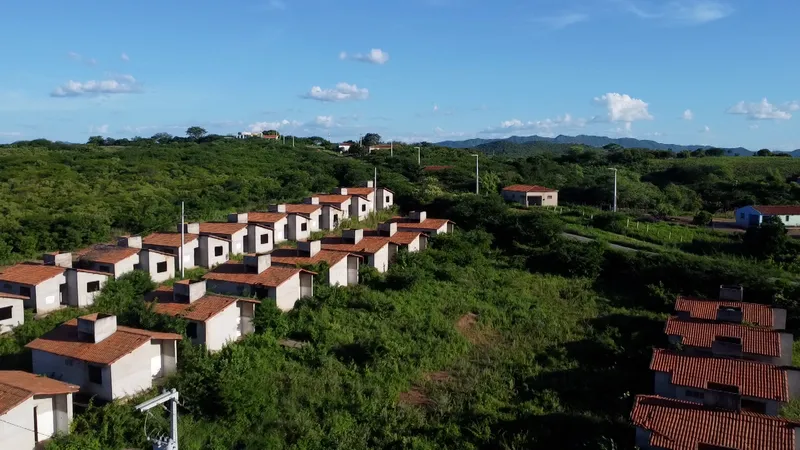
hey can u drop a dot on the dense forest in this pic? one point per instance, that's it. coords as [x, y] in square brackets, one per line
[503, 335]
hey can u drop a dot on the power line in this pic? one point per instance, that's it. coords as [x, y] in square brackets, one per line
[28, 429]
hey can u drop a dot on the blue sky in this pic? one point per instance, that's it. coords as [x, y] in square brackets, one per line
[717, 72]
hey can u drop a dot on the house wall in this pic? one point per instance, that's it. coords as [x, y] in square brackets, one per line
[331, 217]
[73, 371]
[17, 314]
[279, 233]
[222, 328]
[169, 356]
[188, 254]
[385, 199]
[379, 259]
[238, 239]
[254, 244]
[247, 312]
[778, 318]
[201, 333]
[337, 273]
[746, 216]
[315, 222]
[131, 373]
[287, 294]
[353, 263]
[149, 262]
[414, 246]
[46, 296]
[208, 258]
[296, 232]
[547, 198]
[77, 287]
[360, 208]
[127, 265]
[20, 436]
[643, 439]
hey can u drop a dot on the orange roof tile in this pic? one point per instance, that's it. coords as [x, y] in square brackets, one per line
[107, 254]
[527, 188]
[368, 245]
[222, 228]
[427, 224]
[265, 217]
[399, 237]
[294, 257]
[302, 208]
[17, 386]
[200, 310]
[756, 341]
[778, 210]
[234, 272]
[360, 191]
[753, 313]
[436, 168]
[679, 425]
[64, 341]
[168, 239]
[333, 199]
[754, 379]
[30, 273]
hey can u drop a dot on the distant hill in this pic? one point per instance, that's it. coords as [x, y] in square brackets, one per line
[596, 141]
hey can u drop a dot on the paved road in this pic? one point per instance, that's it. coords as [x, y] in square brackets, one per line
[578, 238]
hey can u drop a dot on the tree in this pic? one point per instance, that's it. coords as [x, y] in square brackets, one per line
[195, 132]
[161, 138]
[96, 140]
[703, 219]
[768, 239]
[371, 139]
[764, 152]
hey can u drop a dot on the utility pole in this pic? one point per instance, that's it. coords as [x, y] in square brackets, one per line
[419, 155]
[292, 141]
[615, 187]
[391, 149]
[375, 180]
[183, 229]
[164, 442]
[477, 189]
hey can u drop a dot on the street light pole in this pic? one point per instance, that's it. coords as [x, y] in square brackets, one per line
[477, 189]
[419, 155]
[615, 187]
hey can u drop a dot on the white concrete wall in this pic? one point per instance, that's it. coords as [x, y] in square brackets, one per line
[337, 273]
[47, 295]
[131, 373]
[315, 221]
[17, 314]
[385, 199]
[414, 246]
[238, 242]
[254, 235]
[360, 208]
[77, 283]
[279, 234]
[222, 328]
[188, 253]
[296, 223]
[71, 371]
[127, 265]
[288, 293]
[21, 436]
[743, 214]
[149, 263]
[208, 246]
[379, 260]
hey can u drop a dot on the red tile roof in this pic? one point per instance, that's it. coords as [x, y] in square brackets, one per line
[778, 210]
[360, 191]
[367, 245]
[527, 188]
[168, 239]
[265, 217]
[234, 272]
[293, 257]
[302, 208]
[107, 254]
[754, 379]
[756, 341]
[436, 168]
[427, 224]
[753, 313]
[399, 238]
[200, 310]
[30, 273]
[679, 425]
[64, 341]
[222, 228]
[17, 386]
[333, 199]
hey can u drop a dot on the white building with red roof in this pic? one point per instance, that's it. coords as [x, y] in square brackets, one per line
[419, 221]
[104, 359]
[33, 409]
[277, 222]
[375, 250]
[758, 314]
[753, 216]
[12, 311]
[342, 266]
[111, 259]
[530, 195]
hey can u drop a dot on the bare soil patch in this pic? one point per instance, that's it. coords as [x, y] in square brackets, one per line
[414, 397]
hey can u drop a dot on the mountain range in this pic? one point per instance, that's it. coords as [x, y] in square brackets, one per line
[598, 141]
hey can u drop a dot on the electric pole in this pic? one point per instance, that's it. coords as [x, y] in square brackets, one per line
[477, 189]
[164, 442]
[615, 187]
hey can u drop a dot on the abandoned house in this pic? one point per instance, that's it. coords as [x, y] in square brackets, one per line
[12, 311]
[160, 265]
[410, 241]
[733, 312]
[234, 233]
[43, 287]
[530, 195]
[374, 249]
[340, 208]
[104, 359]
[360, 204]
[419, 221]
[171, 243]
[211, 249]
[111, 259]
[275, 221]
[342, 267]
[298, 224]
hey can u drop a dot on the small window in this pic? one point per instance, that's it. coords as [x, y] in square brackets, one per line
[24, 291]
[265, 238]
[388, 200]
[694, 394]
[95, 374]
[92, 286]
[363, 207]
[161, 267]
[549, 197]
[303, 226]
[787, 218]
[218, 250]
[6, 313]
[335, 218]
[191, 330]
[741, 216]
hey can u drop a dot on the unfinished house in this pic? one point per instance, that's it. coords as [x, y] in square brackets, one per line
[668, 424]
[211, 250]
[212, 320]
[170, 243]
[732, 312]
[530, 195]
[12, 311]
[340, 208]
[298, 224]
[360, 204]
[342, 266]
[410, 241]
[105, 360]
[374, 249]
[234, 233]
[325, 216]
[419, 221]
[82, 285]
[160, 265]
[277, 222]
[730, 340]
[733, 384]
[257, 277]
[44, 287]
[33, 409]
[114, 260]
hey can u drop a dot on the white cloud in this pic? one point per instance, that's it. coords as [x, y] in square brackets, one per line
[763, 110]
[124, 57]
[544, 127]
[624, 108]
[375, 56]
[324, 121]
[101, 129]
[80, 58]
[688, 115]
[281, 124]
[792, 106]
[341, 92]
[276, 4]
[121, 84]
[706, 129]
[562, 21]
[681, 12]
[435, 107]
[10, 134]
[754, 126]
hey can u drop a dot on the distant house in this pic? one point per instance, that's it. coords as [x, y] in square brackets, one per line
[345, 146]
[734, 384]
[12, 311]
[273, 137]
[361, 204]
[110, 259]
[530, 195]
[753, 216]
[104, 359]
[211, 250]
[171, 243]
[733, 312]
[377, 199]
[377, 147]
[342, 266]
[330, 212]
[244, 135]
[33, 409]
[298, 225]
[277, 222]
[235, 233]
[410, 241]
[312, 212]
[256, 276]
[419, 221]
[730, 340]
[213, 320]
[44, 287]
[375, 250]
[160, 265]
[667, 424]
